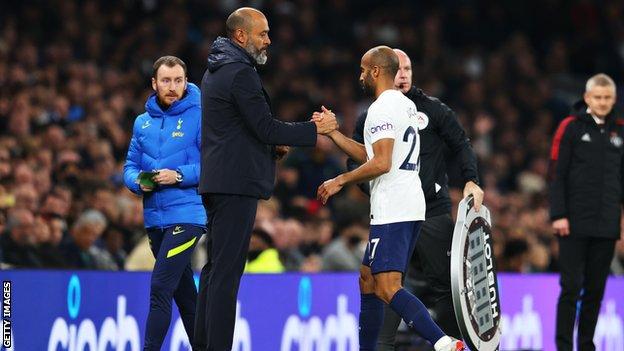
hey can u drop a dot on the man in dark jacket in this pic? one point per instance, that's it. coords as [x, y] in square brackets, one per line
[585, 205]
[240, 142]
[439, 129]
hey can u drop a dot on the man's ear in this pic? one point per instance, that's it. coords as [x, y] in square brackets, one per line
[241, 36]
[154, 86]
[375, 71]
[586, 97]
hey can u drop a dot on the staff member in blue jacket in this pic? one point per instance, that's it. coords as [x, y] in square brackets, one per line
[240, 142]
[166, 139]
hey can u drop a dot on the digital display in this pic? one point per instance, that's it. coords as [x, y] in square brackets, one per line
[478, 273]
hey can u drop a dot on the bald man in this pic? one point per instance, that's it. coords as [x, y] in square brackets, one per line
[390, 160]
[241, 140]
[440, 132]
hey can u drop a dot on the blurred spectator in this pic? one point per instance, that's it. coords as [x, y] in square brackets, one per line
[81, 250]
[346, 251]
[262, 256]
[19, 239]
[515, 256]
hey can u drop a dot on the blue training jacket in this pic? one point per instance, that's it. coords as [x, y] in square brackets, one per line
[168, 139]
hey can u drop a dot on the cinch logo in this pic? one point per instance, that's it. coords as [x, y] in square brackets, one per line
[242, 334]
[524, 330]
[385, 126]
[116, 333]
[311, 333]
[609, 329]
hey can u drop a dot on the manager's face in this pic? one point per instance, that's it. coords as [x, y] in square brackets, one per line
[600, 100]
[258, 39]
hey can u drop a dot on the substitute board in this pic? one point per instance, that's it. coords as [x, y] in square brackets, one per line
[473, 278]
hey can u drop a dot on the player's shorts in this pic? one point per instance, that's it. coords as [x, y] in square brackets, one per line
[390, 246]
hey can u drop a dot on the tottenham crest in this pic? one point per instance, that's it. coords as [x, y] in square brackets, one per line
[473, 278]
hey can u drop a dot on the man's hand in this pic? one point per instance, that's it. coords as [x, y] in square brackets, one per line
[325, 122]
[561, 227]
[329, 188]
[165, 177]
[281, 151]
[145, 188]
[471, 188]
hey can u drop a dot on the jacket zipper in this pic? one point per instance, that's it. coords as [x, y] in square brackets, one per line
[160, 142]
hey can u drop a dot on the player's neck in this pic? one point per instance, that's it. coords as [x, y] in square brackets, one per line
[383, 87]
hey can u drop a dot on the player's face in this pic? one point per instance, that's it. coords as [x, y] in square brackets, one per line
[169, 84]
[600, 100]
[258, 40]
[403, 78]
[366, 78]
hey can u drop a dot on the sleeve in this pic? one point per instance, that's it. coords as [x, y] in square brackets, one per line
[132, 167]
[455, 137]
[190, 172]
[378, 125]
[256, 114]
[560, 156]
[358, 135]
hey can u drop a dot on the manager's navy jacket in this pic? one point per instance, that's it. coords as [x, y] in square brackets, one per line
[238, 128]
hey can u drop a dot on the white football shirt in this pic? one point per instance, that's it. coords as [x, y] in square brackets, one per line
[396, 196]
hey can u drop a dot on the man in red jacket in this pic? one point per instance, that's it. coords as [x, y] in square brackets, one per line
[585, 206]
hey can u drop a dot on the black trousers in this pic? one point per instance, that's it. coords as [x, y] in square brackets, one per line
[231, 220]
[584, 265]
[434, 262]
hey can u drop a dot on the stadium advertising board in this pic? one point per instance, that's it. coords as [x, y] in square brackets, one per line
[106, 311]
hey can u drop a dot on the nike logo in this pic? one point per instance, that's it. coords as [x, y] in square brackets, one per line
[146, 124]
[177, 230]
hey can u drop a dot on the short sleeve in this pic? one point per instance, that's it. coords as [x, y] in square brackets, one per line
[379, 125]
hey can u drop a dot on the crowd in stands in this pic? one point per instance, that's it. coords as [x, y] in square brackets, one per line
[75, 74]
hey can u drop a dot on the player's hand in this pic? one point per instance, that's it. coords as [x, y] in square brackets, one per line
[561, 227]
[326, 122]
[165, 177]
[329, 188]
[281, 151]
[471, 188]
[145, 188]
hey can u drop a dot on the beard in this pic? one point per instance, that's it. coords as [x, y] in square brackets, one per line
[164, 98]
[367, 85]
[260, 56]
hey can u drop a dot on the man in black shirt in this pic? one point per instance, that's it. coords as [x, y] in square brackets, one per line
[439, 129]
[585, 205]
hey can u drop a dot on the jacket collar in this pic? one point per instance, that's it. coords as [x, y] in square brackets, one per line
[191, 98]
[224, 51]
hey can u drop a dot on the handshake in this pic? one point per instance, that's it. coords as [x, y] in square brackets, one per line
[325, 121]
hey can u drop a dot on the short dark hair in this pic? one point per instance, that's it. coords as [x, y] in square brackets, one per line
[236, 20]
[169, 61]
